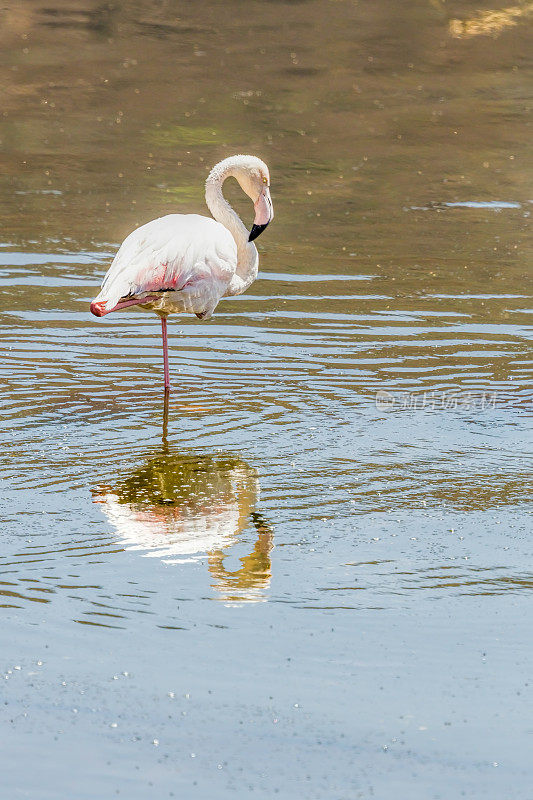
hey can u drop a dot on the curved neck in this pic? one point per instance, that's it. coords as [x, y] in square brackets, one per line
[247, 255]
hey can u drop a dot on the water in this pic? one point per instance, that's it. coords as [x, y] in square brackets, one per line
[309, 575]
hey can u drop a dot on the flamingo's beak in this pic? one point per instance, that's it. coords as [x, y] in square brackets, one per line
[264, 213]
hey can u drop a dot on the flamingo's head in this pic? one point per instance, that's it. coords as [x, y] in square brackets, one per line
[254, 179]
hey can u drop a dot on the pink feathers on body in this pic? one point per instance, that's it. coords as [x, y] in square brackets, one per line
[190, 260]
[186, 262]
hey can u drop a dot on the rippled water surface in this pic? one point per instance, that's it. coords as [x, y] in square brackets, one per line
[308, 574]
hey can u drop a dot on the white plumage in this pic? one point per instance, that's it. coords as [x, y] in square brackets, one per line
[186, 262]
[189, 259]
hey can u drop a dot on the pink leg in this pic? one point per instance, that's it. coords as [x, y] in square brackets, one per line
[165, 352]
[99, 309]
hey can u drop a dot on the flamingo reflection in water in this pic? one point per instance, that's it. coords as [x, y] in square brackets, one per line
[181, 507]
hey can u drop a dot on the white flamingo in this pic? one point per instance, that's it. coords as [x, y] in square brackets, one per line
[186, 262]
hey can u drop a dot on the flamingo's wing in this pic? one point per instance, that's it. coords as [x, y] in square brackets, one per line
[187, 253]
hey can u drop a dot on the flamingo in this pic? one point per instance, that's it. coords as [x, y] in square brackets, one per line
[187, 262]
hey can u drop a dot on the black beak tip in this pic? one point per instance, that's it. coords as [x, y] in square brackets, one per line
[256, 230]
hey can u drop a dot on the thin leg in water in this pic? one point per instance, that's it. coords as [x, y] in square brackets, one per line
[165, 352]
[165, 420]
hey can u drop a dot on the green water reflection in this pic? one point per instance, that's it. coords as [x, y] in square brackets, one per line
[182, 507]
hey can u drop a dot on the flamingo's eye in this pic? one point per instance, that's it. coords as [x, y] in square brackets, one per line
[265, 180]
